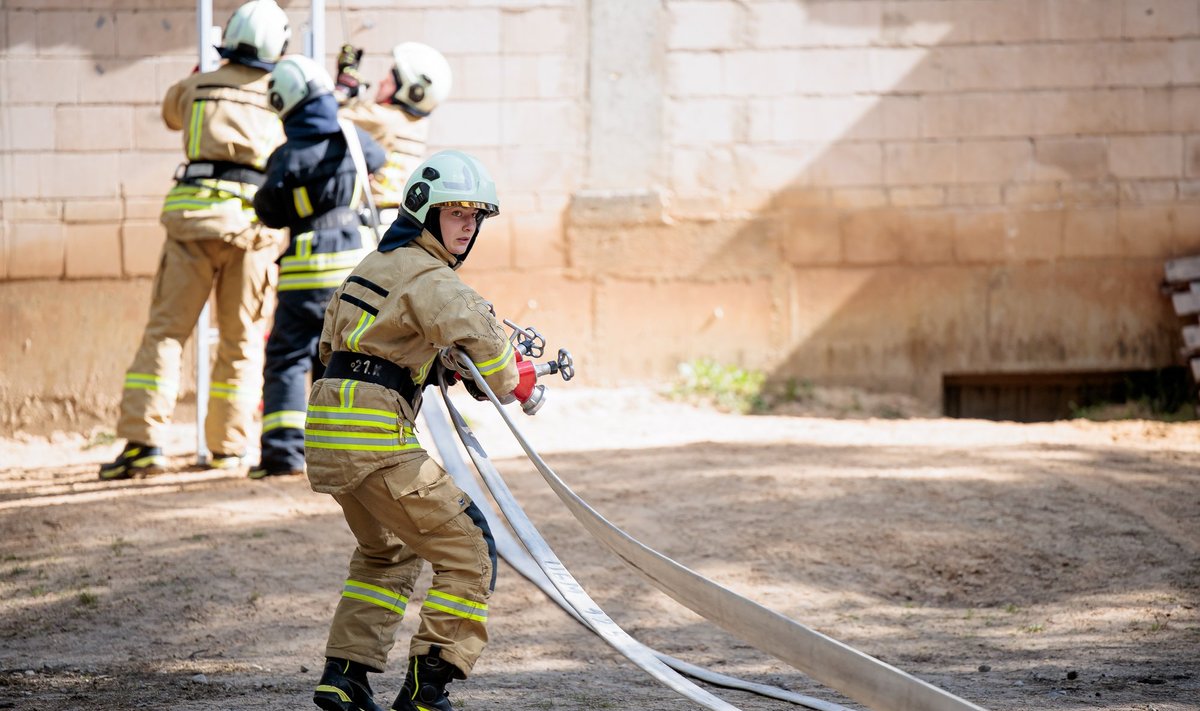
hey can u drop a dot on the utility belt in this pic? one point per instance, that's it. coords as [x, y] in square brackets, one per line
[219, 170]
[330, 219]
[371, 369]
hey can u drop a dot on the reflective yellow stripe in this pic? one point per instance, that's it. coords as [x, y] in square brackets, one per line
[194, 126]
[300, 200]
[375, 595]
[352, 410]
[149, 381]
[320, 280]
[355, 337]
[334, 690]
[226, 391]
[359, 441]
[457, 606]
[496, 364]
[283, 419]
[323, 261]
[346, 393]
[425, 369]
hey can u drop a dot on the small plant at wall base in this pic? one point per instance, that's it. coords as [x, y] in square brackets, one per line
[728, 387]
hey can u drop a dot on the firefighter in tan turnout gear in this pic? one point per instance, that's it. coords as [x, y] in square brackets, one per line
[397, 118]
[214, 242]
[382, 336]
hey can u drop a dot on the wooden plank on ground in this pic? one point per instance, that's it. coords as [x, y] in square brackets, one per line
[1183, 269]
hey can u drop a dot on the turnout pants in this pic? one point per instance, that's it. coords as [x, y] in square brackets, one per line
[291, 357]
[403, 515]
[189, 271]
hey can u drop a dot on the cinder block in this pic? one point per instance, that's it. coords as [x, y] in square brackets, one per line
[1083, 19]
[1008, 21]
[1148, 110]
[1185, 61]
[21, 39]
[979, 237]
[983, 67]
[467, 123]
[31, 127]
[544, 123]
[702, 170]
[1148, 192]
[1146, 156]
[1078, 112]
[1145, 231]
[1185, 223]
[704, 25]
[931, 196]
[1191, 151]
[1070, 159]
[994, 114]
[80, 33]
[539, 241]
[558, 305]
[1091, 233]
[1160, 18]
[998, 161]
[829, 24]
[479, 78]
[33, 210]
[82, 175]
[703, 122]
[168, 71]
[1103, 193]
[902, 117]
[152, 32]
[1185, 109]
[914, 70]
[81, 211]
[973, 195]
[775, 73]
[145, 174]
[847, 164]
[120, 81]
[137, 208]
[858, 198]
[543, 30]
[141, 247]
[43, 81]
[872, 237]
[691, 74]
[36, 250]
[1031, 194]
[151, 134]
[93, 250]
[812, 237]
[1058, 66]
[537, 167]
[376, 27]
[93, 128]
[1140, 63]
[920, 162]
[464, 31]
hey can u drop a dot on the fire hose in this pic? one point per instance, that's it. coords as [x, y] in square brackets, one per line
[859, 676]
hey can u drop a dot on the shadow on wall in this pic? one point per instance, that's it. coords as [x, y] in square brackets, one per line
[956, 209]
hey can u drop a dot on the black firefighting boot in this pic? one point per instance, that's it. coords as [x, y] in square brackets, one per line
[136, 459]
[425, 686]
[344, 687]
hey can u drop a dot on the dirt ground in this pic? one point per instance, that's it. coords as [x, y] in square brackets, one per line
[1046, 566]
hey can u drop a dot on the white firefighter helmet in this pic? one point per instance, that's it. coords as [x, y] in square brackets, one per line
[423, 77]
[450, 178]
[258, 30]
[295, 80]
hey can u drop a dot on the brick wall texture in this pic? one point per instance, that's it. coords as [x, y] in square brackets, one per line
[865, 192]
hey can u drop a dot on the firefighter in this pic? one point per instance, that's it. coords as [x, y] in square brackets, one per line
[313, 187]
[381, 340]
[397, 117]
[214, 242]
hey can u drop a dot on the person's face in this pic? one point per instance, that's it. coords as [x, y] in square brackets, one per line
[387, 87]
[458, 227]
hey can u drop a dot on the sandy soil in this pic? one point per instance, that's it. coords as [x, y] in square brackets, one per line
[1050, 566]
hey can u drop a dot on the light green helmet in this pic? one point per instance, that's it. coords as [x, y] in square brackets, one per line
[258, 30]
[450, 178]
[296, 80]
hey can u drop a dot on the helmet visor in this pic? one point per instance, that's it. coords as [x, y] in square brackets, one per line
[488, 209]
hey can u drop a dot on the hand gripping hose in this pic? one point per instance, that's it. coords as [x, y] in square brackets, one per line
[515, 554]
[879, 686]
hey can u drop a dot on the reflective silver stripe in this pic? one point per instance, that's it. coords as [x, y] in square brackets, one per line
[362, 441]
[460, 607]
[351, 418]
[283, 419]
[375, 595]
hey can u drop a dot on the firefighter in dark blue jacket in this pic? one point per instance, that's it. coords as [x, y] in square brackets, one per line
[314, 186]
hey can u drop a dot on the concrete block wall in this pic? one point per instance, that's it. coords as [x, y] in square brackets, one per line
[872, 192]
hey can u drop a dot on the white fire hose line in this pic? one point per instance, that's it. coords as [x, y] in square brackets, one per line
[566, 584]
[514, 553]
[877, 685]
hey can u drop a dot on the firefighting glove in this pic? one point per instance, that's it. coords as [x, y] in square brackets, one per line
[349, 78]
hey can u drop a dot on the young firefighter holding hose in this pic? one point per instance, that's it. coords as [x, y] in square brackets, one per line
[383, 332]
